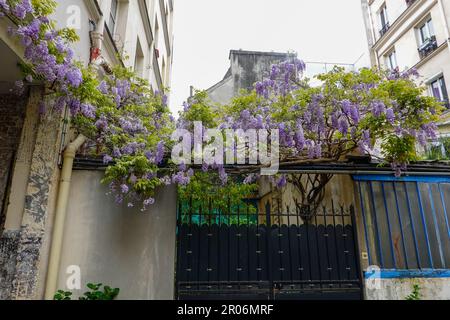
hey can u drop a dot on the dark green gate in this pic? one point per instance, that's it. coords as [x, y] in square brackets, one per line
[234, 253]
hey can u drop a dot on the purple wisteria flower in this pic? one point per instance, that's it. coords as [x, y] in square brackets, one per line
[124, 188]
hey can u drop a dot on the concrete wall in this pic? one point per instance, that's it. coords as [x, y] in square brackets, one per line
[246, 68]
[118, 246]
[222, 92]
[399, 289]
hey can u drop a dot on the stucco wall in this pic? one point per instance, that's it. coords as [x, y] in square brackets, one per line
[66, 15]
[222, 92]
[115, 245]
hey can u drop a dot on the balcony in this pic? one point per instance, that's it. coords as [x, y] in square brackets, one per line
[384, 29]
[428, 47]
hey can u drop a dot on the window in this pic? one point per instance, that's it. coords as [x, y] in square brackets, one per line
[426, 38]
[439, 89]
[163, 72]
[391, 60]
[139, 60]
[156, 33]
[384, 20]
[426, 32]
[113, 16]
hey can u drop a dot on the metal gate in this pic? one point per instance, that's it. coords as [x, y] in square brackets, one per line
[236, 254]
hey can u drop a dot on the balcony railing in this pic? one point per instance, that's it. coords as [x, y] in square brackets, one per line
[384, 29]
[428, 47]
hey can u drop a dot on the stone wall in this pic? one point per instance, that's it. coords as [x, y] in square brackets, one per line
[12, 113]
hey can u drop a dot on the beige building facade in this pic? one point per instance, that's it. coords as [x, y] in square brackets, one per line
[407, 34]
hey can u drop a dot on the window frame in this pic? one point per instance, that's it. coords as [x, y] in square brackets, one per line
[112, 23]
[383, 14]
[442, 87]
[429, 28]
[391, 59]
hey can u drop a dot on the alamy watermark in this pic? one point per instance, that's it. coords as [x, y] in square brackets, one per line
[228, 147]
[73, 281]
[74, 17]
[373, 278]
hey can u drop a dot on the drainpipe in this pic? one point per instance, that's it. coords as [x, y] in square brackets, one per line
[446, 26]
[66, 176]
[60, 216]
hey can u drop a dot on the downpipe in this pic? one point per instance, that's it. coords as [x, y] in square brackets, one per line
[60, 216]
[446, 25]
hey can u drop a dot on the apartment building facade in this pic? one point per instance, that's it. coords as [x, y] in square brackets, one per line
[138, 35]
[135, 33]
[406, 34]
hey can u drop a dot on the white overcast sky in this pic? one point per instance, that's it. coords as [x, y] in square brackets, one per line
[206, 30]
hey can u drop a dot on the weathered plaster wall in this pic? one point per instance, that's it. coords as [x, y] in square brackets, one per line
[9, 242]
[222, 92]
[38, 208]
[399, 289]
[118, 246]
[247, 68]
[12, 111]
[33, 183]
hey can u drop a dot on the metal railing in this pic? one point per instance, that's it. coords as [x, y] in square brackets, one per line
[428, 47]
[385, 29]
